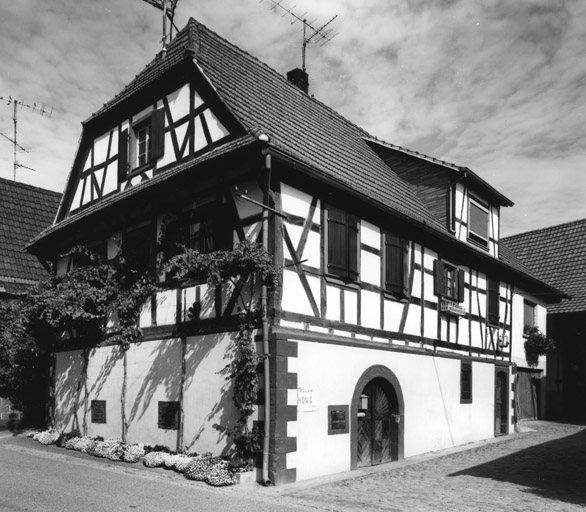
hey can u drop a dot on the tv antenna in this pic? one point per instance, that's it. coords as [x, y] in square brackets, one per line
[310, 33]
[168, 8]
[42, 110]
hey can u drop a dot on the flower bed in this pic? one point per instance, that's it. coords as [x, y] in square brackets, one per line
[204, 468]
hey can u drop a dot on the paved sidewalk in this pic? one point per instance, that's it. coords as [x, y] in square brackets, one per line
[535, 471]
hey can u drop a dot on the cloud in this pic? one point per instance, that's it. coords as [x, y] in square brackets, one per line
[498, 86]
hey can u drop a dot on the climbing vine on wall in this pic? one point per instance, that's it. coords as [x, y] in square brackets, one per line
[537, 344]
[244, 263]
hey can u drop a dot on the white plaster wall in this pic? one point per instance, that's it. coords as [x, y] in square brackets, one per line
[68, 403]
[154, 374]
[434, 418]
[294, 297]
[105, 379]
[207, 393]
[370, 309]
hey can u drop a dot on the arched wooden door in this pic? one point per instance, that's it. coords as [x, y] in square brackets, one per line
[377, 440]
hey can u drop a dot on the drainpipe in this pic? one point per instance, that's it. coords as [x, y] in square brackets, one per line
[265, 321]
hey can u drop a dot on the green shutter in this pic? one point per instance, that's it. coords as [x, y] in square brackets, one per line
[158, 134]
[394, 263]
[353, 248]
[493, 302]
[123, 156]
[461, 287]
[438, 277]
[337, 243]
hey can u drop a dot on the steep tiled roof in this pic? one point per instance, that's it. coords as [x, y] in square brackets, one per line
[24, 212]
[300, 126]
[556, 255]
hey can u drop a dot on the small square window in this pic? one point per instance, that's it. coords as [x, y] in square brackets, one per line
[168, 415]
[338, 416]
[98, 411]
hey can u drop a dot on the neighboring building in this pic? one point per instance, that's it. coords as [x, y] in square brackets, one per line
[391, 334]
[557, 255]
[24, 212]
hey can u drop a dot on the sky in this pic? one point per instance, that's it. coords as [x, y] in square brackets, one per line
[498, 86]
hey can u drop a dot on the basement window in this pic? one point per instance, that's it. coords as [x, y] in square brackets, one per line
[98, 411]
[168, 415]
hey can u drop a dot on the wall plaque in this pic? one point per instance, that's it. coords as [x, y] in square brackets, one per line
[307, 398]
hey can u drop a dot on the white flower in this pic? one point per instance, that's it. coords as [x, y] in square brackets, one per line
[154, 459]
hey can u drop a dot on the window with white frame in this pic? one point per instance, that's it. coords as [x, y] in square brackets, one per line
[448, 281]
[529, 316]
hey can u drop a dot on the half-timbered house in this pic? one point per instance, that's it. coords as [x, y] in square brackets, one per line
[391, 332]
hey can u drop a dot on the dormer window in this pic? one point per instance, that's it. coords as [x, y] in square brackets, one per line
[478, 221]
[141, 145]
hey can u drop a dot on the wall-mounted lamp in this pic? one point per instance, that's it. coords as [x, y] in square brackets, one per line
[363, 402]
[503, 341]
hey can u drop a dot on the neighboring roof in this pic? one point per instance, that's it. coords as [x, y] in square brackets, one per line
[24, 212]
[465, 171]
[557, 255]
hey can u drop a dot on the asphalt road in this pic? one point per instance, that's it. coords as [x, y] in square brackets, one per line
[49, 479]
[540, 470]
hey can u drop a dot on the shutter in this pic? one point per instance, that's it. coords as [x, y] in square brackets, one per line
[123, 156]
[158, 133]
[493, 302]
[461, 288]
[223, 231]
[406, 290]
[438, 277]
[171, 239]
[353, 247]
[337, 243]
[393, 263]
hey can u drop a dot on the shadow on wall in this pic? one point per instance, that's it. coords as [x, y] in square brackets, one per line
[555, 470]
[67, 411]
[223, 412]
[105, 370]
[164, 371]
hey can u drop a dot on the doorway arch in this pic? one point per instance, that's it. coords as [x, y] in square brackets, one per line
[380, 427]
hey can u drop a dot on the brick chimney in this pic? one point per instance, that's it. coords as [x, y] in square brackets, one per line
[299, 78]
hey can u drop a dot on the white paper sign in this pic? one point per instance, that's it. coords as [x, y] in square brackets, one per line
[307, 398]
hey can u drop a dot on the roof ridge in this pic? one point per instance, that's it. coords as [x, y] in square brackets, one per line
[418, 154]
[278, 75]
[540, 230]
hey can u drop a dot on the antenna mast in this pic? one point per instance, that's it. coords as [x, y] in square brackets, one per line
[315, 35]
[168, 8]
[35, 108]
